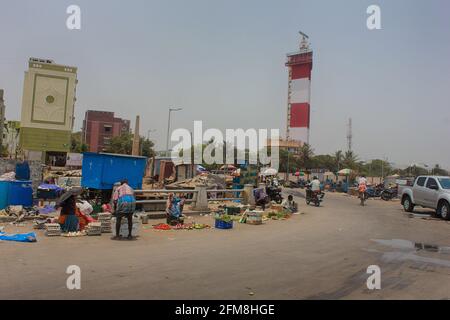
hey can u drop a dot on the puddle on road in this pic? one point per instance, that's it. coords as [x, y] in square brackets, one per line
[408, 250]
[412, 246]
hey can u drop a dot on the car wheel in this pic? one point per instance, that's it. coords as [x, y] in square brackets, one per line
[408, 206]
[444, 210]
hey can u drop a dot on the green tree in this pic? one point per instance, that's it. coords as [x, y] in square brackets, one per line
[323, 161]
[414, 171]
[378, 168]
[76, 144]
[438, 171]
[294, 161]
[123, 144]
[306, 153]
[147, 148]
[350, 160]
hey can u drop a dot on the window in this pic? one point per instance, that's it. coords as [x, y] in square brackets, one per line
[108, 128]
[445, 183]
[431, 182]
[421, 181]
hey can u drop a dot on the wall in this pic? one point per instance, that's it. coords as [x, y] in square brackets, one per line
[7, 165]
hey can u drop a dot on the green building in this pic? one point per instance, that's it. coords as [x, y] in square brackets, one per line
[48, 104]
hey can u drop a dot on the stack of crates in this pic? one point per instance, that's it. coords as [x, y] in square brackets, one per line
[105, 219]
[94, 229]
[52, 230]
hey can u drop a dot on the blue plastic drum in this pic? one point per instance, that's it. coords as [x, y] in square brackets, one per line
[20, 193]
[4, 188]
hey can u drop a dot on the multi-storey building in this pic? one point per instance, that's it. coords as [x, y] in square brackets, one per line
[47, 110]
[99, 127]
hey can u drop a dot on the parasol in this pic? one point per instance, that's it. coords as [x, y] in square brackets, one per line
[66, 195]
[270, 172]
[345, 172]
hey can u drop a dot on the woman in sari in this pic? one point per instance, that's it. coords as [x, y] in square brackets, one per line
[68, 218]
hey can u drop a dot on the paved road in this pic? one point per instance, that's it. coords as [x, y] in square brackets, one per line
[322, 253]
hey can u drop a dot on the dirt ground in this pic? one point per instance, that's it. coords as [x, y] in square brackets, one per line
[322, 253]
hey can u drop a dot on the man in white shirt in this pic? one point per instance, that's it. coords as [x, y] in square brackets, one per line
[315, 185]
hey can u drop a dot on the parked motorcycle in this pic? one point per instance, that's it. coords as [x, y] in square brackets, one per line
[374, 192]
[389, 194]
[274, 193]
[314, 197]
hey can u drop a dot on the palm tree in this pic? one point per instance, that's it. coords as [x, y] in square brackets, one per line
[350, 160]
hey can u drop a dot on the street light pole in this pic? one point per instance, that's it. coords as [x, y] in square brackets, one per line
[168, 128]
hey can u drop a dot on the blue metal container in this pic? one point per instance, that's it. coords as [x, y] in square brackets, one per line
[4, 191]
[20, 193]
[102, 170]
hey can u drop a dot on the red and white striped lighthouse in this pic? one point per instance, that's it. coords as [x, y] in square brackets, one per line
[300, 66]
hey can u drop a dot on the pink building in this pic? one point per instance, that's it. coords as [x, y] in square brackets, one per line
[100, 126]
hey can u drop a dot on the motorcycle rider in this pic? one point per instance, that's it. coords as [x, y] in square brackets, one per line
[313, 188]
[362, 188]
[315, 185]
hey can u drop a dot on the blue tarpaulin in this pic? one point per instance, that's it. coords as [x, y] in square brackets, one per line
[20, 237]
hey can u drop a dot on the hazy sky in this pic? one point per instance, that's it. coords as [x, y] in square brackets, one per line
[223, 62]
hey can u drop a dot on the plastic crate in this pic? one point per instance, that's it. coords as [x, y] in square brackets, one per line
[223, 225]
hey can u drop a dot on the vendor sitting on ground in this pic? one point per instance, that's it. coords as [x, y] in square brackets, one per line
[261, 197]
[68, 218]
[290, 205]
[124, 205]
[174, 209]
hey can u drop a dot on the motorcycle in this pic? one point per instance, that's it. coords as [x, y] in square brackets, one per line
[374, 192]
[274, 194]
[314, 197]
[389, 194]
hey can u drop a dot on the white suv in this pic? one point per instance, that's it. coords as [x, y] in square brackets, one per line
[428, 192]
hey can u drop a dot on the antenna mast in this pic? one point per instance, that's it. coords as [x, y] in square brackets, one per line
[349, 135]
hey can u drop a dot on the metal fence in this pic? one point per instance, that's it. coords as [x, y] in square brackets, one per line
[165, 192]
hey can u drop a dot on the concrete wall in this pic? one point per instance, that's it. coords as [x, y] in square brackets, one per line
[7, 165]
